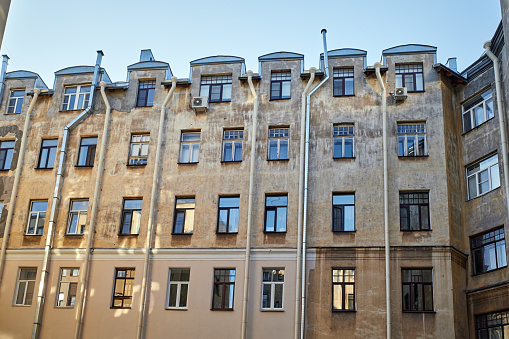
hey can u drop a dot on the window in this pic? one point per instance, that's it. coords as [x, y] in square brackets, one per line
[25, 286]
[15, 101]
[343, 212]
[412, 140]
[410, 76]
[189, 147]
[76, 97]
[483, 177]
[1, 208]
[123, 289]
[343, 289]
[77, 217]
[36, 217]
[275, 213]
[131, 216]
[278, 143]
[417, 287]
[146, 92]
[477, 110]
[178, 288]
[228, 215]
[488, 251]
[216, 87]
[414, 211]
[280, 85]
[224, 286]
[343, 141]
[138, 154]
[184, 216]
[343, 81]
[48, 153]
[6, 151]
[232, 145]
[67, 287]
[87, 152]
[493, 325]
[272, 288]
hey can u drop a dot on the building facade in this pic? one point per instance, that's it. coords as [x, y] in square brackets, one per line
[137, 208]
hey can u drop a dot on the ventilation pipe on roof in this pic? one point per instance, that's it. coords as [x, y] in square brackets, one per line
[306, 182]
[5, 61]
[80, 304]
[501, 117]
[15, 186]
[43, 285]
[245, 298]
[312, 71]
[153, 197]
[386, 203]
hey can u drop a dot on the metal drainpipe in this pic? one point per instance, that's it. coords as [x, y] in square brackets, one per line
[36, 329]
[5, 61]
[80, 304]
[15, 186]
[298, 272]
[250, 205]
[386, 203]
[153, 197]
[306, 182]
[501, 117]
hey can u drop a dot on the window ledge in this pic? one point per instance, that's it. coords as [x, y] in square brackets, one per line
[136, 165]
[181, 233]
[423, 91]
[128, 235]
[341, 232]
[187, 163]
[12, 113]
[119, 308]
[343, 311]
[15, 305]
[279, 99]
[64, 307]
[222, 309]
[283, 160]
[84, 166]
[175, 309]
[44, 168]
[418, 312]
[271, 310]
[73, 110]
[143, 106]
[483, 273]
[74, 234]
[32, 235]
[220, 102]
[342, 96]
[5, 170]
[274, 232]
[231, 162]
[413, 156]
[478, 126]
[480, 195]
[344, 158]
[226, 233]
[416, 230]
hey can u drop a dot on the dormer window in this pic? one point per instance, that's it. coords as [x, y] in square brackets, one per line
[410, 76]
[217, 88]
[15, 101]
[76, 97]
[280, 85]
[146, 93]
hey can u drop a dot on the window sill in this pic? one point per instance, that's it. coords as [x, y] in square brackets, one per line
[478, 126]
[44, 168]
[231, 162]
[410, 312]
[271, 310]
[64, 307]
[32, 235]
[343, 311]
[187, 163]
[219, 102]
[128, 235]
[274, 232]
[136, 165]
[73, 110]
[74, 234]
[176, 309]
[12, 113]
[483, 194]
[226, 233]
[84, 166]
[285, 160]
[413, 156]
[342, 96]
[222, 309]
[5, 170]
[422, 230]
[119, 308]
[483, 273]
[415, 91]
[341, 232]
[15, 305]
[344, 158]
[181, 233]
[143, 106]
[279, 99]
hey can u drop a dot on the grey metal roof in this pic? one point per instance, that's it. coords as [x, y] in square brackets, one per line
[281, 56]
[218, 59]
[148, 65]
[344, 53]
[410, 49]
[75, 70]
[22, 74]
[450, 73]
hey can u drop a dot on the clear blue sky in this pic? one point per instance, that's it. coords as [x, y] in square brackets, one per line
[45, 36]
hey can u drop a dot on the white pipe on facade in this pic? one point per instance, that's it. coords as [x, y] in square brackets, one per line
[306, 182]
[15, 185]
[245, 299]
[153, 197]
[81, 297]
[298, 272]
[41, 294]
[501, 117]
[386, 203]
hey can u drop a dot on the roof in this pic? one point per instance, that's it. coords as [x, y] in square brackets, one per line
[452, 74]
[218, 59]
[76, 70]
[281, 56]
[344, 53]
[148, 65]
[22, 74]
[409, 49]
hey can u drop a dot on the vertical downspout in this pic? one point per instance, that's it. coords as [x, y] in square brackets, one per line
[250, 205]
[80, 304]
[386, 203]
[15, 186]
[306, 182]
[153, 197]
[501, 118]
[43, 285]
[5, 61]
[298, 272]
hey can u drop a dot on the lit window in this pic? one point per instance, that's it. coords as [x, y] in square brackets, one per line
[6, 151]
[477, 110]
[343, 289]
[178, 288]
[36, 217]
[48, 153]
[280, 85]
[228, 215]
[146, 92]
[76, 97]
[483, 177]
[123, 288]
[488, 251]
[224, 287]
[138, 154]
[67, 287]
[184, 216]
[86, 155]
[410, 76]
[25, 286]
[232, 145]
[343, 141]
[493, 325]
[77, 217]
[216, 87]
[417, 285]
[412, 140]
[189, 147]
[343, 81]
[272, 288]
[278, 143]
[275, 213]
[15, 101]
[343, 212]
[131, 216]
[414, 211]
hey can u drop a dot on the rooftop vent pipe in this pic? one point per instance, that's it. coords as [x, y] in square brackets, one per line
[5, 61]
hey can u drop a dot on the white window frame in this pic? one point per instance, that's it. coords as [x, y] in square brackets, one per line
[16, 101]
[471, 111]
[78, 96]
[280, 134]
[26, 281]
[233, 137]
[179, 284]
[194, 146]
[38, 216]
[273, 290]
[138, 150]
[485, 164]
[343, 132]
[80, 213]
[415, 135]
[64, 286]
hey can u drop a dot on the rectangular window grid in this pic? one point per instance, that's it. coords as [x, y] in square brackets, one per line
[76, 97]
[278, 143]
[414, 211]
[280, 85]
[67, 287]
[184, 216]
[15, 101]
[343, 212]
[228, 215]
[275, 213]
[77, 217]
[483, 177]
[478, 110]
[25, 286]
[146, 93]
[417, 285]
[216, 87]
[232, 145]
[36, 217]
[272, 288]
[343, 141]
[131, 216]
[123, 288]
[138, 154]
[48, 153]
[488, 251]
[412, 140]
[86, 155]
[493, 326]
[343, 81]
[189, 147]
[343, 289]
[6, 152]
[224, 287]
[410, 76]
[178, 288]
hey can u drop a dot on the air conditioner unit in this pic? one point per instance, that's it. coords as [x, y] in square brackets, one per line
[400, 93]
[200, 104]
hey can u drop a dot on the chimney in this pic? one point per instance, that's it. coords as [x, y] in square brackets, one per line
[452, 64]
[146, 55]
